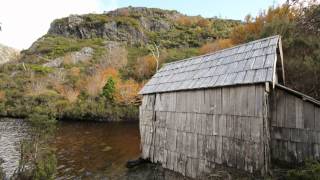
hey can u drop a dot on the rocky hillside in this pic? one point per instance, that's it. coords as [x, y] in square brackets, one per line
[7, 54]
[92, 66]
[131, 26]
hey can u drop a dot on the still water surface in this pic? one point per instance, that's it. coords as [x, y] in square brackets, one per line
[95, 149]
[85, 150]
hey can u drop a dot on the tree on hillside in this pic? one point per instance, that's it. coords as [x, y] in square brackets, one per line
[154, 49]
[109, 89]
[298, 24]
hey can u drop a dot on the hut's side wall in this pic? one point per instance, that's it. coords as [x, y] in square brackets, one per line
[191, 131]
[295, 128]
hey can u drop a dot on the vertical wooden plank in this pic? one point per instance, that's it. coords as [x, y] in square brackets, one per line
[237, 127]
[179, 141]
[248, 156]
[202, 102]
[222, 125]
[209, 125]
[203, 124]
[211, 148]
[188, 122]
[290, 120]
[184, 101]
[226, 106]
[225, 150]
[292, 153]
[233, 100]
[194, 100]
[193, 122]
[229, 126]
[218, 101]
[178, 102]
[189, 167]
[308, 114]
[208, 108]
[215, 125]
[317, 117]
[218, 156]
[237, 101]
[198, 123]
[256, 124]
[210, 100]
[181, 164]
[173, 102]
[281, 108]
[251, 100]
[240, 153]
[246, 133]
[232, 153]
[193, 145]
[158, 103]
[273, 108]
[259, 103]
[244, 101]
[201, 146]
[187, 145]
[299, 113]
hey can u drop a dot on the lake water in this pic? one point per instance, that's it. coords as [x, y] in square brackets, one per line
[12, 131]
[85, 150]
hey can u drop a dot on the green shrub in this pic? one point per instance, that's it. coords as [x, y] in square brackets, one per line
[310, 171]
[109, 89]
[45, 167]
[41, 69]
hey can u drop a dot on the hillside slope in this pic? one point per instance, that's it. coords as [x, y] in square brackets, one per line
[92, 66]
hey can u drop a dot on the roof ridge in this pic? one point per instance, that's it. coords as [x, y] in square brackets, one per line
[222, 50]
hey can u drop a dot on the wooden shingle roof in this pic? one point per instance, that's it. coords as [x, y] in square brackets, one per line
[248, 63]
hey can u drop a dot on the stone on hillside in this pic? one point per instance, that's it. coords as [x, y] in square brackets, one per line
[85, 54]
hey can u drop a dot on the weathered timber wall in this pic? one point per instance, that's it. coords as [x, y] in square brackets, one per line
[295, 127]
[191, 131]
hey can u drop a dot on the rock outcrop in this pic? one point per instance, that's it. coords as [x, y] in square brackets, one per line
[125, 24]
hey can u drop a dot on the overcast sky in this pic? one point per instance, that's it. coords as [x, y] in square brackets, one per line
[24, 21]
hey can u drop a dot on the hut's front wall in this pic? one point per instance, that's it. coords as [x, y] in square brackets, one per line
[295, 128]
[191, 131]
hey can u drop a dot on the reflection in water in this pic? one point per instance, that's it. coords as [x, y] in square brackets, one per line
[12, 131]
[85, 150]
[95, 149]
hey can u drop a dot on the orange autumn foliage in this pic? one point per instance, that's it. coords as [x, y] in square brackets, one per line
[203, 23]
[215, 46]
[67, 92]
[95, 83]
[184, 21]
[127, 92]
[253, 27]
[2, 96]
[145, 67]
[74, 71]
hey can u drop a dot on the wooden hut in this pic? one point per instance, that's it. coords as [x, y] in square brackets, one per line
[229, 108]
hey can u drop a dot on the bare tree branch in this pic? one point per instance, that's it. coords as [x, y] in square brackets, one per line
[155, 53]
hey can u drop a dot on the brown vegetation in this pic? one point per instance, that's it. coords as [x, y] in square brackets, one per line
[215, 46]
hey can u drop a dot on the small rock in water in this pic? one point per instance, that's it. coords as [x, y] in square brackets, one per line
[67, 169]
[81, 170]
[107, 148]
[87, 173]
[61, 167]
